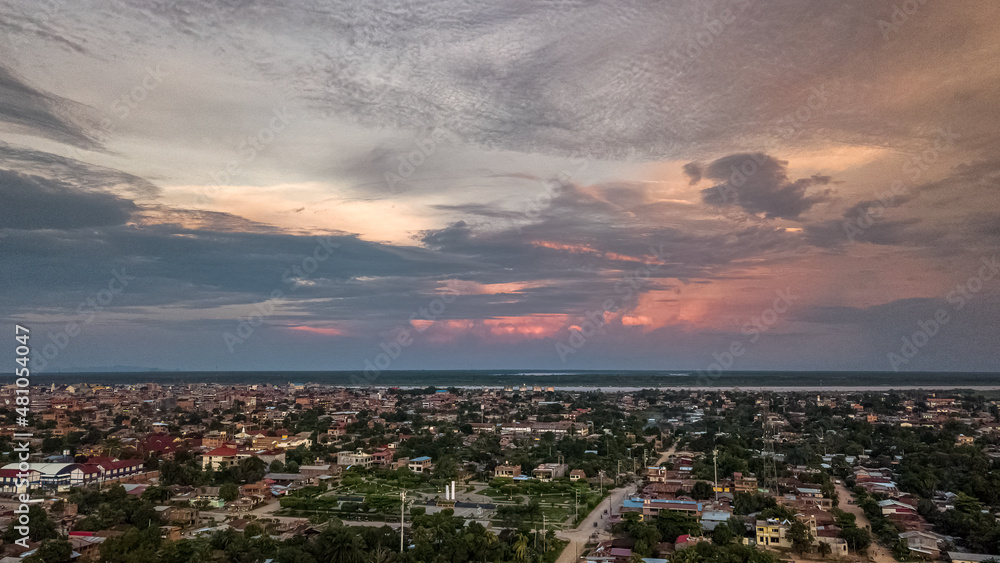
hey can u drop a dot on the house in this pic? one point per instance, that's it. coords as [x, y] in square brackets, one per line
[160, 445]
[650, 508]
[957, 557]
[891, 506]
[420, 464]
[925, 544]
[214, 439]
[313, 471]
[178, 515]
[744, 483]
[774, 532]
[507, 470]
[355, 459]
[709, 520]
[382, 457]
[219, 458]
[550, 471]
[577, 474]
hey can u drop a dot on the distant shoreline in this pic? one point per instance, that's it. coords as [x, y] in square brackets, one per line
[607, 380]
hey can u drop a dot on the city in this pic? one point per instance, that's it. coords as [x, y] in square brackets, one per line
[304, 472]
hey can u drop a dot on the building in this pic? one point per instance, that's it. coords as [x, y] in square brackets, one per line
[550, 471]
[774, 532]
[924, 544]
[220, 458]
[214, 439]
[957, 557]
[382, 457]
[651, 507]
[507, 470]
[577, 474]
[355, 459]
[420, 464]
[744, 483]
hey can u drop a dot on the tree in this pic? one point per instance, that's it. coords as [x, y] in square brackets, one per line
[521, 549]
[824, 549]
[40, 526]
[857, 539]
[672, 524]
[800, 537]
[229, 492]
[133, 546]
[722, 534]
[702, 490]
[156, 494]
[51, 551]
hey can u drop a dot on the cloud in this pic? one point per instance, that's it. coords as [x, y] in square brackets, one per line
[32, 202]
[693, 171]
[30, 110]
[75, 172]
[759, 184]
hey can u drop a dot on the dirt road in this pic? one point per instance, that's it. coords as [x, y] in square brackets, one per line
[875, 551]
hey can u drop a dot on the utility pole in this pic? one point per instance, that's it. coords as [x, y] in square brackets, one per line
[715, 462]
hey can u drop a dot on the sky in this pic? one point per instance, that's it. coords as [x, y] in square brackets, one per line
[557, 185]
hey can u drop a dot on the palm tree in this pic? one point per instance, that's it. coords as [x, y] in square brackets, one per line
[521, 549]
[381, 555]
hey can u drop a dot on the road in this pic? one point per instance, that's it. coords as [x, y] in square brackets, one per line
[580, 535]
[670, 451]
[876, 552]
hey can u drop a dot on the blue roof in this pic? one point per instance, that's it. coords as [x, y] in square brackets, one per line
[421, 458]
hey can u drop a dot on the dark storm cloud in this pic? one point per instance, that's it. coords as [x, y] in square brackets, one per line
[180, 268]
[75, 172]
[902, 232]
[759, 184]
[32, 202]
[598, 229]
[693, 171]
[35, 112]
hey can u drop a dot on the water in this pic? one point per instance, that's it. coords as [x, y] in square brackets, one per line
[578, 380]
